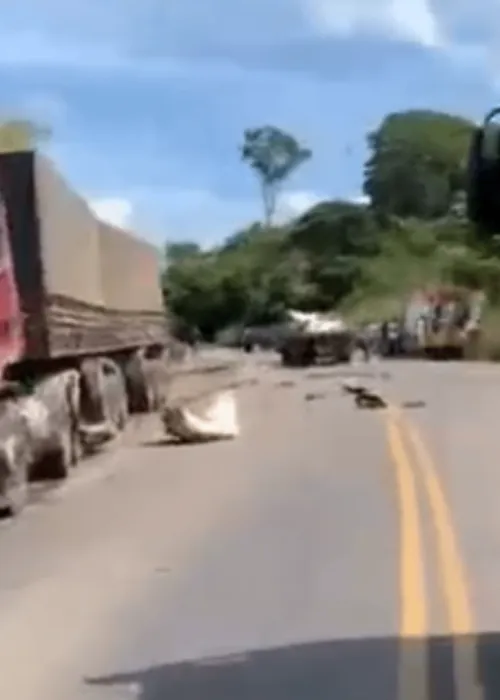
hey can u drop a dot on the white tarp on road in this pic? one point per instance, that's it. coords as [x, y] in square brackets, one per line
[219, 421]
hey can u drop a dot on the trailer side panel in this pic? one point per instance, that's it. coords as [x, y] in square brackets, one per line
[81, 291]
[69, 238]
[130, 271]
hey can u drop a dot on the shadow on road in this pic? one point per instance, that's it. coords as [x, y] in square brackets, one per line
[371, 669]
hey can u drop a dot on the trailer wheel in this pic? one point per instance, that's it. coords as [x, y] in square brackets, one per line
[344, 357]
[16, 493]
[65, 454]
[155, 398]
[122, 418]
[90, 399]
[14, 489]
[309, 354]
[139, 392]
[286, 358]
[77, 450]
[145, 380]
[62, 458]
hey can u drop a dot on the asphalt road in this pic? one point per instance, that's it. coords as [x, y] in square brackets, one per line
[328, 552]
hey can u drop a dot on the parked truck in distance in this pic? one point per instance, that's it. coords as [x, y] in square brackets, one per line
[82, 325]
[444, 322]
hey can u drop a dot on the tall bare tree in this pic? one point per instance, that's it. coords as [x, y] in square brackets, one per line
[273, 155]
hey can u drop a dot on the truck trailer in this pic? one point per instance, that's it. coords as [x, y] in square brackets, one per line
[80, 301]
[444, 322]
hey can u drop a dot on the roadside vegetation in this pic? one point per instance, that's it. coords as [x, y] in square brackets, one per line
[363, 260]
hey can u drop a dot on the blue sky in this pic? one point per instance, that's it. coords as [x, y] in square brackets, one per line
[148, 99]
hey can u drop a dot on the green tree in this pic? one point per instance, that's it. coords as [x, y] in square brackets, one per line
[336, 227]
[193, 292]
[417, 163]
[273, 155]
[21, 135]
[254, 261]
[181, 251]
[336, 236]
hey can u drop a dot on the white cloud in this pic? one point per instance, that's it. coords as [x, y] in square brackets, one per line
[113, 210]
[127, 34]
[37, 51]
[130, 35]
[360, 199]
[177, 37]
[415, 20]
[410, 20]
[295, 202]
[467, 32]
[33, 48]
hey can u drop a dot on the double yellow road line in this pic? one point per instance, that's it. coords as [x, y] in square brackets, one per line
[416, 474]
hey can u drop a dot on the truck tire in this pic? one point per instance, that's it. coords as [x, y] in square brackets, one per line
[15, 472]
[91, 399]
[122, 418]
[16, 493]
[308, 357]
[286, 358]
[73, 440]
[155, 400]
[139, 392]
[62, 460]
[345, 354]
[65, 456]
[69, 448]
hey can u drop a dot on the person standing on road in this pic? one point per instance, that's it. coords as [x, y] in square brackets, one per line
[384, 339]
[365, 341]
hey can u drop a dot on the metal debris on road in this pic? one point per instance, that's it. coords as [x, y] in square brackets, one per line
[314, 397]
[351, 386]
[285, 384]
[369, 399]
[363, 396]
[320, 375]
[414, 404]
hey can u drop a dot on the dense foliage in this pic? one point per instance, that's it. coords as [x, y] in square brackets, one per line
[364, 259]
[417, 163]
